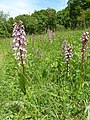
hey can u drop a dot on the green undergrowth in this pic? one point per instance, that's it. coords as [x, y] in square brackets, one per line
[51, 95]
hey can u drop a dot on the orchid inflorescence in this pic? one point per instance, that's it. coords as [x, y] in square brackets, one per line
[50, 35]
[19, 42]
[85, 38]
[67, 54]
[64, 45]
[32, 38]
[67, 51]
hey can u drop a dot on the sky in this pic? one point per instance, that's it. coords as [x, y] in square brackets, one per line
[19, 7]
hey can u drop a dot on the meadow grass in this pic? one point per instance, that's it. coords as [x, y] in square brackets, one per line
[51, 95]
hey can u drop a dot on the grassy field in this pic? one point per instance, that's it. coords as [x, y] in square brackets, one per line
[51, 95]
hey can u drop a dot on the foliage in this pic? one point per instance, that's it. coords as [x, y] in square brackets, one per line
[76, 9]
[50, 93]
[74, 16]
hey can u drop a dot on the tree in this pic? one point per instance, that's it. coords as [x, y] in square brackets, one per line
[76, 11]
[9, 25]
[40, 19]
[87, 17]
[45, 19]
[3, 24]
[51, 18]
[63, 18]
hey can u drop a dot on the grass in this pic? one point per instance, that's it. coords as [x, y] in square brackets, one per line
[50, 94]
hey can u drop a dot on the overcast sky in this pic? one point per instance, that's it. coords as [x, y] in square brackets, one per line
[18, 7]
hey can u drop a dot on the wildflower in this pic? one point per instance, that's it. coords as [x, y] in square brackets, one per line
[32, 38]
[19, 43]
[64, 44]
[50, 35]
[63, 47]
[39, 38]
[68, 52]
[85, 38]
[37, 53]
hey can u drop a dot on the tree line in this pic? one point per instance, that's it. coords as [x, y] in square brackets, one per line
[75, 16]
